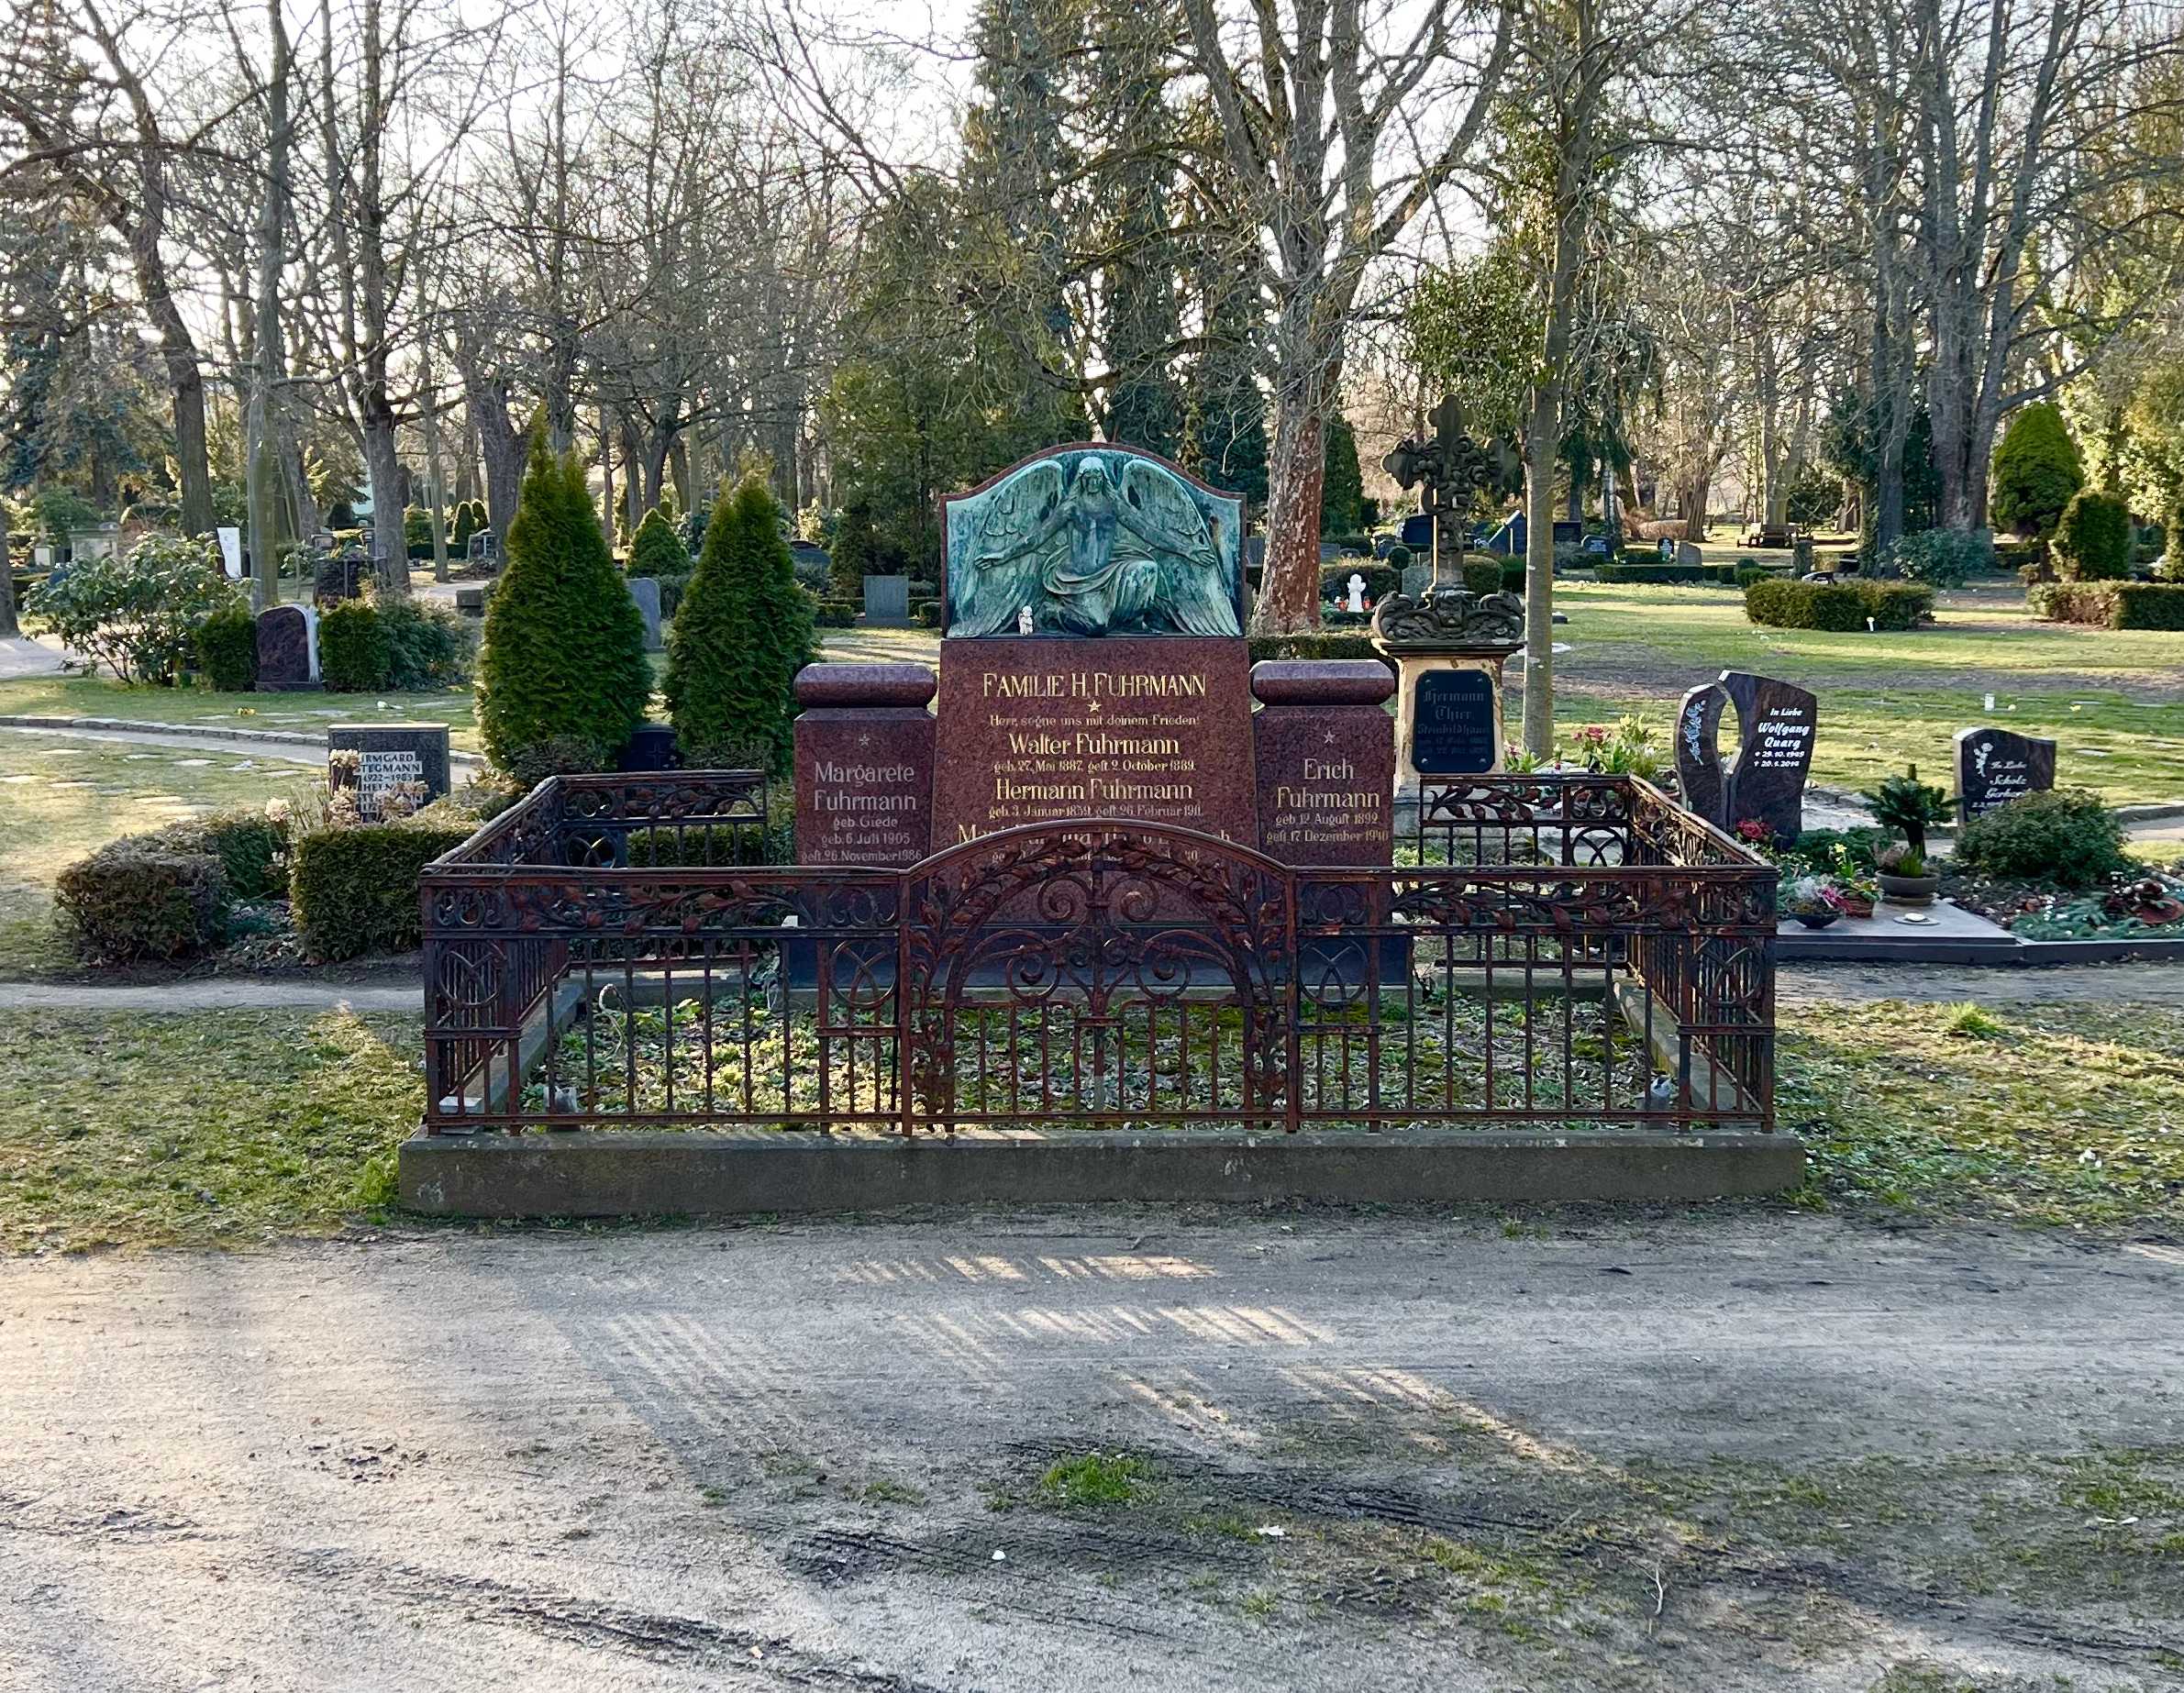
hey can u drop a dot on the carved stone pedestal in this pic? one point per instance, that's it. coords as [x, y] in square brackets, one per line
[1449, 648]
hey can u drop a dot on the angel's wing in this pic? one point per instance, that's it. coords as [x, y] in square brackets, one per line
[1195, 594]
[997, 570]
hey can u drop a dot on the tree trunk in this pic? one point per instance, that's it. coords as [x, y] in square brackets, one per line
[499, 445]
[436, 487]
[8, 625]
[1541, 429]
[389, 552]
[1289, 583]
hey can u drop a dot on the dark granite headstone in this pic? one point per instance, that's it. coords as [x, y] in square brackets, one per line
[1038, 728]
[650, 746]
[1416, 579]
[1765, 782]
[864, 764]
[391, 755]
[1778, 725]
[1700, 773]
[471, 602]
[1455, 728]
[287, 649]
[1996, 766]
[645, 591]
[887, 599]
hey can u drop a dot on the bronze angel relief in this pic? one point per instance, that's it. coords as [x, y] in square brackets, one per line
[1086, 554]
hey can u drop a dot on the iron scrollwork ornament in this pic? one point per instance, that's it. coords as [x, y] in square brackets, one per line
[1453, 471]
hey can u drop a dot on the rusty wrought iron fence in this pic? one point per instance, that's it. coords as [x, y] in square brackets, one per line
[1559, 953]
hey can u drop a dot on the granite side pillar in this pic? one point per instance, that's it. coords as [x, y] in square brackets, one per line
[864, 764]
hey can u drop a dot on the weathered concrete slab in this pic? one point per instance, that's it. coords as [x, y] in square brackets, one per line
[627, 1173]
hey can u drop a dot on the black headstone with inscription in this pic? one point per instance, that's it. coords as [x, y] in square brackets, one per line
[1779, 724]
[1765, 782]
[1996, 766]
[1454, 727]
[394, 757]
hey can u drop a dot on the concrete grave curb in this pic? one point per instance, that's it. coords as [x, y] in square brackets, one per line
[634, 1173]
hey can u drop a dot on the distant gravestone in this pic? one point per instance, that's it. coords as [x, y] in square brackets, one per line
[471, 602]
[392, 758]
[1688, 553]
[287, 649]
[645, 591]
[887, 599]
[1765, 782]
[1996, 766]
[1416, 578]
[652, 746]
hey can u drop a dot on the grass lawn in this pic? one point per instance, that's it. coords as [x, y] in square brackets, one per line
[2113, 699]
[308, 713]
[227, 1127]
[63, 799]
[203, 1128]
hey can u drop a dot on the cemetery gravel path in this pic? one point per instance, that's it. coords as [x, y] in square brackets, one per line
[806, 1456]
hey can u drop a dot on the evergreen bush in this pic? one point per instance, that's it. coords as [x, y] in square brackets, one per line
[465, 526]
[2092, 540]
[851, 559]
[227, 649]
[355, 890]
[743, 631]
[2036, 470]
[428, 647]
[416, 531]
[564, 652]
[352, 648]
[656, 550]
[2067, 837]
[133, 900]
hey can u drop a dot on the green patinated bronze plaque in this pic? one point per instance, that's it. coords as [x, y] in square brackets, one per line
[1094, 540]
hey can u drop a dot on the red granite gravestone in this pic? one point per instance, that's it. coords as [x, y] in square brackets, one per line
[1325, 749]
[1042, 728]
[287, 649]
[1996, 766]
[864, 764]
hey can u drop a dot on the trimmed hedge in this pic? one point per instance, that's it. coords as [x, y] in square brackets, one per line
[925, 614]
[227, 649]
[131, 900]
[835, 614]
[355, 890]
[1684, 575]
[1842, 607]
[251, 846]
[2093, 542]
[2110, 605]
[352, 648]
[1335, 645]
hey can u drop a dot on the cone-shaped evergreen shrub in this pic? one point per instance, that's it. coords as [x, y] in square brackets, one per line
[459, 538]
[850, 561]
[564, 655]
[743, 631]
[2036, 470]
[2093, 541]
[656, 550]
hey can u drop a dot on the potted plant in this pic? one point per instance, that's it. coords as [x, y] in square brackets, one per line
[1904, 877]
[1909, 806]
[1811, 900]
[1857, 890]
